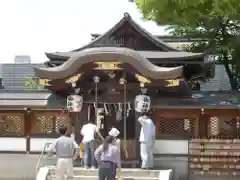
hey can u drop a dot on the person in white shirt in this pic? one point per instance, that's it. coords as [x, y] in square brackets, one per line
[88, 132]
[147, 140]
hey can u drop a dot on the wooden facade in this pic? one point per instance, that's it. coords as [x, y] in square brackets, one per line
[171, 123]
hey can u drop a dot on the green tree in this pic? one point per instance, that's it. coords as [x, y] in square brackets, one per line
[216, 20]
[32, 83]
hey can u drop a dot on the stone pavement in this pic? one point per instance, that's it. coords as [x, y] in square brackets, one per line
[23, 166]
[18, 166]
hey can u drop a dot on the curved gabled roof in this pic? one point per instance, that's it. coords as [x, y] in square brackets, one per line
[125, 55]
[127, 18]
[142, 31]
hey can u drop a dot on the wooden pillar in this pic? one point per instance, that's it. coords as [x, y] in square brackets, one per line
[70, 125]
[196, 126]
[78, 120]
[203, 125]
[28, 117]
[76, 123]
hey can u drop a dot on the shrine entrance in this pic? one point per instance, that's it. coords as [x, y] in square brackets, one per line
[106, 89]
[109, 102]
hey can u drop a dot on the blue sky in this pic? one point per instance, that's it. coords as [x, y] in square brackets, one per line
[33, 27]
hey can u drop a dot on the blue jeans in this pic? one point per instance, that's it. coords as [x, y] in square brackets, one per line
[107, 170]
[146, 151]
[89, 148]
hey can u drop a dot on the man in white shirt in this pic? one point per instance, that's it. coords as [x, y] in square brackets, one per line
[147, 140]
[88, 132]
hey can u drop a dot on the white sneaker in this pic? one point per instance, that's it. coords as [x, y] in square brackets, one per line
[93, 167]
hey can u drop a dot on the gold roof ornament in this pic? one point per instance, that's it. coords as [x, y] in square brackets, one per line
[142, 79]
[73, 79]
[44, 82]
[172, 82]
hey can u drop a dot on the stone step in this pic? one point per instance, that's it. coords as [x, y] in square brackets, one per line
[125, 172]
[82, 177]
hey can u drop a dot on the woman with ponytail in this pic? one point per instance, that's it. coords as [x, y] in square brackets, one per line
[108, 158]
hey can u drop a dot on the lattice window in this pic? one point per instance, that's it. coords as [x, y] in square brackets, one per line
[44, 123]
[214, 126]
[171, 126]
[228, 127]
[12, 124]
[62, 120]
[49, 122]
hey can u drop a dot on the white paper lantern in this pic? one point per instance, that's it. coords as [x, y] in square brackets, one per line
[142, 103]
[74, 103]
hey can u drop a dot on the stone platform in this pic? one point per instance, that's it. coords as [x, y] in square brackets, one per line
[127, 174]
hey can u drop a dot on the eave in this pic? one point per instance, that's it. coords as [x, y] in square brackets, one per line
[169, 38]
[124, 55]
[180, 55]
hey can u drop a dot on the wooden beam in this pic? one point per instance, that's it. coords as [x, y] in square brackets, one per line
[223, 112]
[196, 126]
[161, 84]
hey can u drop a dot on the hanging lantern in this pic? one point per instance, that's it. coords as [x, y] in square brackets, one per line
[142, 103]
[74, 103]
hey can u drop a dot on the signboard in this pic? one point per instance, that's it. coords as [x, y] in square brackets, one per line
[107, 65]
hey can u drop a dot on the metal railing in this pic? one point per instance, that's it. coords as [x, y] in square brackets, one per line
[39, 162]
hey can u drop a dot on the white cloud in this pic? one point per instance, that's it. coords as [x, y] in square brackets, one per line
[36, 26]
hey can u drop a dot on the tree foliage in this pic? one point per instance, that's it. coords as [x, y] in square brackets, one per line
[32, 83]
[215, 20]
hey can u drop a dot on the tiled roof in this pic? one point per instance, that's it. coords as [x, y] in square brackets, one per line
[200, 100]
[26, 103]
[220, 82]
[28, 99]
[203, 100]
[15, 75]
[24, 95]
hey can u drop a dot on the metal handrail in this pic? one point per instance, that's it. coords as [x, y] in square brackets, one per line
[41, 155]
